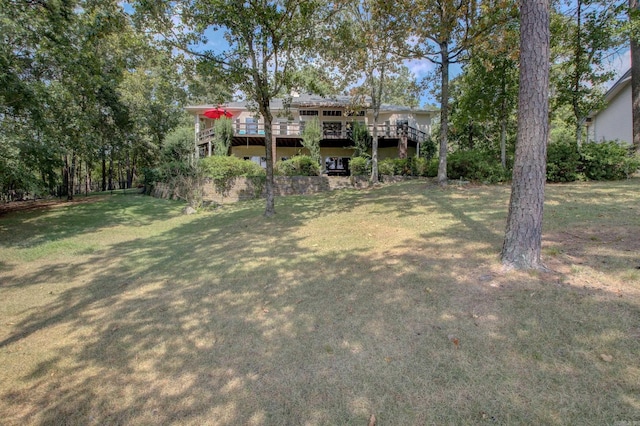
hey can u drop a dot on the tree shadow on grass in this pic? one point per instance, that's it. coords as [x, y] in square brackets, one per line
[234, 319]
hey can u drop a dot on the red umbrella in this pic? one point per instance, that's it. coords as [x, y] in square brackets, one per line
[216, 113]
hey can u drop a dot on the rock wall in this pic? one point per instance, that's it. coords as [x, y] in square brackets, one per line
[247, 188]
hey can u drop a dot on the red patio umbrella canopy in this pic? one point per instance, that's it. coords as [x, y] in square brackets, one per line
[216, 113]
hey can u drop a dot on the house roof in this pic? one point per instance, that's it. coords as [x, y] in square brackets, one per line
[310, 101]
[613, 91]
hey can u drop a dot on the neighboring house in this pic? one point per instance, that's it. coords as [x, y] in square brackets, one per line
[399, 128]
[614, 121]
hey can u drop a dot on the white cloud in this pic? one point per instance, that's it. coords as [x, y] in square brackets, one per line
[420, 67]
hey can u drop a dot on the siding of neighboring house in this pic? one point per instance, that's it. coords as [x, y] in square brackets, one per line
[614, 121]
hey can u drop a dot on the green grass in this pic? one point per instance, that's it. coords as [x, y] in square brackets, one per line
[344, 305]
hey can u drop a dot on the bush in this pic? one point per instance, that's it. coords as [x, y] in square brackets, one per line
[360, 166]
[563, 160]
[386, 167]
[607, 161]
[299, 165]
[421, 166]
[475, 165]
[224, 170]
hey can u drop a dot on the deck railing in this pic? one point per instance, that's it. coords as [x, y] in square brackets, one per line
[330, 130]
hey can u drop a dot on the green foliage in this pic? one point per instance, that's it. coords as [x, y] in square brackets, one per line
[361, 139]
[223, 133]
[608, 161]
[299, 165]
[403, 166]
[360, 166]
[476, 165]
[387, 167]
[563, 160]
[217, 167]
[428, 149]
[179, 145]
[224, 170]
[311, 136]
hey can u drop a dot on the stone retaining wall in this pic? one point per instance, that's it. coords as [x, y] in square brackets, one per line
[247, 188]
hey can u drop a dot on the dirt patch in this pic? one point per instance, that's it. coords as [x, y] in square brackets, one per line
[19, 206]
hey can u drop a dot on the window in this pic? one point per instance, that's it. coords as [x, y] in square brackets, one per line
[355, 113]
[284, 127]
[332, 113]
[252, 125]
[308, 112]
[332, 128]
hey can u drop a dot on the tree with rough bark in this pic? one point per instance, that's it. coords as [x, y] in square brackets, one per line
[267, 43]
[445, 30]
[523, 236]
[369, 44]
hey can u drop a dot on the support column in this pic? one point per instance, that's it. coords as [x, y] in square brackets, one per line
[274, 149]
[197, 133]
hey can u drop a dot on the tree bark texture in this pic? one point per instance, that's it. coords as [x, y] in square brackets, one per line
[265, 110]
[635, 81]
[444, 114]
[523, 236]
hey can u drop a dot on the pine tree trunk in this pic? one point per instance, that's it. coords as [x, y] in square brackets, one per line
[444, 114]
[523, 236]
[635, 83]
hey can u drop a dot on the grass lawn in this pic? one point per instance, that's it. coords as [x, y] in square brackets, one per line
[388, 302]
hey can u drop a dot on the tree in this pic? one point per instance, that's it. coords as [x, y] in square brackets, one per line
[523, 236]
[223, 133]
[445, 30]
[267, 43]
[485, 95]
[311, 136]
[583, 37]
[370, 43]
[402, 89]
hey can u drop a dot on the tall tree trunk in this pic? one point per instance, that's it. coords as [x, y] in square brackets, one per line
[104, 168]
[523, 236]
[444, 113]
[269, 187]
[110, 182]
[577, 111]
[71, 173]
[635, 81]
[376, 100]
[503, 117]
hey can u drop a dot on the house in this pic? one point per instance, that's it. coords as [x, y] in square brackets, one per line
[399, 129]
[614, 121]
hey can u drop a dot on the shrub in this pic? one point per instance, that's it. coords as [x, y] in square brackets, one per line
[360, 166]
[224, 170]
[428, 149]
[432, 167]
[361, 139]
[607, 161]
[563, 160]
[223, 133]
[421, 166]
[178, 145]
[299, 165]
[386, 166]
[476, 165]
[311, 136]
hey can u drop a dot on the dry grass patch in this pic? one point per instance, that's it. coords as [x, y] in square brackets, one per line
[389, 301]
